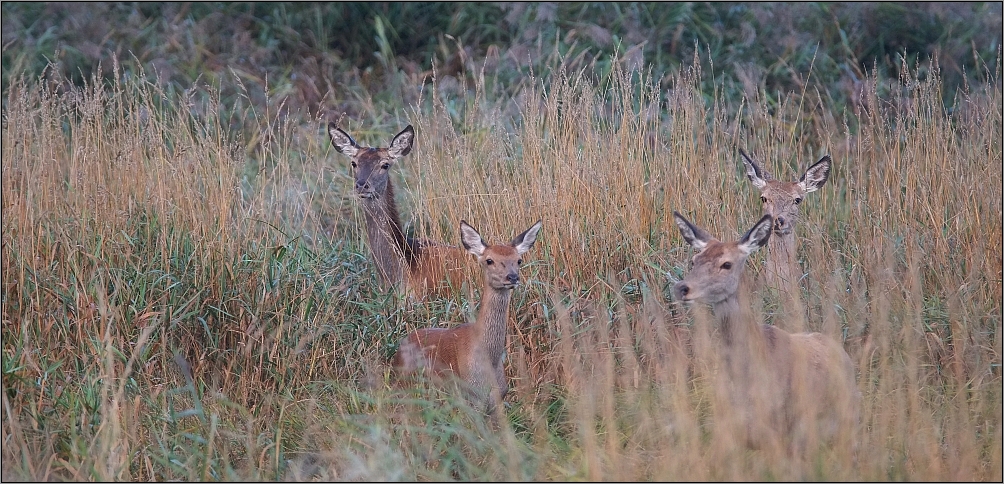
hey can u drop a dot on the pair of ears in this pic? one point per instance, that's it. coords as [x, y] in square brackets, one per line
[752, 240]
[400, 146]
[476, 245]
[813, 178]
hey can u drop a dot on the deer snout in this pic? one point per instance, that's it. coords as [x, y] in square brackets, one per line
[681, 290]
[512, 278]
[364, 189]
[781, 225]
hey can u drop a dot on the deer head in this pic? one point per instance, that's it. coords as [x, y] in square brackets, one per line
[718, 265]
[781, 199]
[500, 262]
[371, 165]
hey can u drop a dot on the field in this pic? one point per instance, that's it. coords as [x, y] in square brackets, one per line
[188, 293]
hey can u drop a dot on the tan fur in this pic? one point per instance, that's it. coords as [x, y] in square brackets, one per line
[473, 352]
[423, 267]
[789, 390]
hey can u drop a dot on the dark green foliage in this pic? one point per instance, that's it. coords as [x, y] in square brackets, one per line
[307, 51]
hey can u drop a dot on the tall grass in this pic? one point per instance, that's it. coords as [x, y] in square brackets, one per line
[181, 303]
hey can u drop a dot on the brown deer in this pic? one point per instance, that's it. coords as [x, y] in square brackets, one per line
[473, 352]
[781, 200]
[783, 387]
[420, 265]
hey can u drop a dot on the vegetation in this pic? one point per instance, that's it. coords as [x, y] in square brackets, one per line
[187, 292]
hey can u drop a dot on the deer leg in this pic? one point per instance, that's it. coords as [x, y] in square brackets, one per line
[483, 392]
[503, 384]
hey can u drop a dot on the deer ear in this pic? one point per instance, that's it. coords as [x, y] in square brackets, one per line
[402, 143]
[523, 242]
[697, 237]
[342, 141]
[471, 239]
[816, 175]
[757, 236]
[756, 174]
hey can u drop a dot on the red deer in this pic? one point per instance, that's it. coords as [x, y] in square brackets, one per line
[781, 200]
[473, 352]
[796, 388]
[424, 267]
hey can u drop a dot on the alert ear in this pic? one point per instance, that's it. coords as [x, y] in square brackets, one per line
[816, 175]
[697, 237]
[342, 141]
[757, 236]
[471, 239]
[523, 242]
[754, 172]
[402, 143]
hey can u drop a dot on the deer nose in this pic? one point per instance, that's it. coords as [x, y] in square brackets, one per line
[362, 184]
[680, 290]
[779, 222]
[512, 278]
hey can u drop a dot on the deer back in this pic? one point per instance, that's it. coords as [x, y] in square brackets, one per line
[442, 350]
[438, 270]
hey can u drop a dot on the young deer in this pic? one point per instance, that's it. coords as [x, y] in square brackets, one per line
[421, 265]
[781, 200]
[473, 351]
[798, 387]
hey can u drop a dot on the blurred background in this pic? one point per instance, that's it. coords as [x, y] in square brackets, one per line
[316, 57]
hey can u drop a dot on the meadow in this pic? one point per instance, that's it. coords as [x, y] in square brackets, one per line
[188, 293]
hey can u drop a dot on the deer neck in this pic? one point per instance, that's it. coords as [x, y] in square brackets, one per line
[781, 263]
[737, 330]
[391, 250]
[493, 318]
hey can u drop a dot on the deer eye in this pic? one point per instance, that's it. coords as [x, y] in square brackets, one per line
[763, 199]
[519, 261]
[726, 266]
[489, 261]
[385, 166]
[798, 200]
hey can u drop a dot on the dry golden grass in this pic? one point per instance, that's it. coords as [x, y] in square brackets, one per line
[180, 304]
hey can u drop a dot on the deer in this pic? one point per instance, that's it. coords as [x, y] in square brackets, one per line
[473, 351]
[783, 387]
[420, 265]
[781, 200]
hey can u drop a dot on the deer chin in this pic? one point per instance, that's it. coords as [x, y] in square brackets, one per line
[782, 231]
[366, 195]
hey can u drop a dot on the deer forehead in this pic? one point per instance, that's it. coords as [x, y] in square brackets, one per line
[717, 251]
[372, 156]
[779, 191]
[501, 253]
